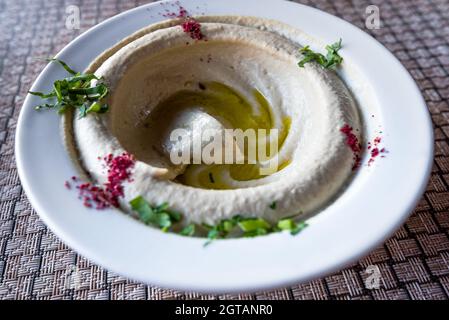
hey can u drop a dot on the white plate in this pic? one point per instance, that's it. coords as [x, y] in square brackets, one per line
[375, 204]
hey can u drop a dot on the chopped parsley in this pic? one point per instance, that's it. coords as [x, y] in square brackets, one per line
[291, 225]
[75, 92]
[211, 177]
[331, 60]
[251, 225]
[188, 231]
[159, 216]
[255, 227]
[273, 205]
[164, 218]
[221, 229]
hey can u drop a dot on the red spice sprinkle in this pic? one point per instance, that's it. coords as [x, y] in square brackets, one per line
[353, 142]
[193, 28]
[182, 13]
[119, 171]
[87, 204]
[376, 151]
[189, 24]
[67, 185]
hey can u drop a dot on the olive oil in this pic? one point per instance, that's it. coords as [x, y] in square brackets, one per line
[235, 112]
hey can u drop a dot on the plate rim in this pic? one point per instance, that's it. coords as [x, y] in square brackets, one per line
[216, 288]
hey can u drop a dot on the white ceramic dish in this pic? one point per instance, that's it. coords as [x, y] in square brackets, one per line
[375, 204]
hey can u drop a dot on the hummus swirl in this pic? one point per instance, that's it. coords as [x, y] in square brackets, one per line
[159, 70]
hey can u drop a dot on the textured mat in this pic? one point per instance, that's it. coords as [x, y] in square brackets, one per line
[34, 264]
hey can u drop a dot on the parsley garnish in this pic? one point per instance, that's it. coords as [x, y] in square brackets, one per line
[273, 205]
[331, 60]
[211, 177]
[75, 92]
[291, 225]
[254, 227]
[164, 218]
[159, 216]
[251, 227]
[188, 231]
[222, 229]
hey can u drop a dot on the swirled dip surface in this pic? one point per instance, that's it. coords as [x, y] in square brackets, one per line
[244, 76]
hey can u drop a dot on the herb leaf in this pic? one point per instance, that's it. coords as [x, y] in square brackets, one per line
[158, 216]
[299, 227]
[255, 233]
[250, 225]
[163, 209]
[331, 60]
[64, 65]
[142, 207]
[43, 95]
[75, 92]
[212, 235]
[291, 225]
[188, 231]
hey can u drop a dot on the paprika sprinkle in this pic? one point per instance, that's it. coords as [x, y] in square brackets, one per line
[189, 24]
[353, 142]
[119, 170]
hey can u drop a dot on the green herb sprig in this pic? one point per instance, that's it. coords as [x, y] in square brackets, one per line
[75, 92]
[331, 60]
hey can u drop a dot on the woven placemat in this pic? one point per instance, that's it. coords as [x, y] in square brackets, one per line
[413, 264]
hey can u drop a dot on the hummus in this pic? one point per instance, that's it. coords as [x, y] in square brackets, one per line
[160, 70]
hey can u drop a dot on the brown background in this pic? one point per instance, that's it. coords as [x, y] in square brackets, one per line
[34, 264]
